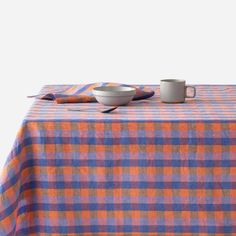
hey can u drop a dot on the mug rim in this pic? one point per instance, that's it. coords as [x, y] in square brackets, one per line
[173, 80]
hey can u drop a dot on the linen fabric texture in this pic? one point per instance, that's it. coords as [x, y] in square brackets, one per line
[146, 169]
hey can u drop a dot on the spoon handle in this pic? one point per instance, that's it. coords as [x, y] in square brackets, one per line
[103, 111]
[109, 110]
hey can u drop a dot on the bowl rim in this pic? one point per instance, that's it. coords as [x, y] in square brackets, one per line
[114, 91]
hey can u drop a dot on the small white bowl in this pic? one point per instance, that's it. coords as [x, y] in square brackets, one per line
[114, 95]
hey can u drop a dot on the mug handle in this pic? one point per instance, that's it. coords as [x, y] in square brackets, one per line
[194, 92]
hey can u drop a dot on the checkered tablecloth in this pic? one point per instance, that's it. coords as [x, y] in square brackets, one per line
[145, 169]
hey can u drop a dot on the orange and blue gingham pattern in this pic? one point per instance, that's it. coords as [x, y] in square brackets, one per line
[213, 102]
[154, 169]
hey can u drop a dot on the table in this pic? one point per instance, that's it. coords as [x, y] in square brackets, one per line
[146, 169]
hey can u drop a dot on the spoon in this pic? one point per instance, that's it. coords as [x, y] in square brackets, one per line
[103, 111]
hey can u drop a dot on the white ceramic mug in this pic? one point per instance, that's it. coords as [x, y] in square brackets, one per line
[175, 91]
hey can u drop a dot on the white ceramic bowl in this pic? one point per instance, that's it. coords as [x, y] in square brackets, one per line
[114, 95]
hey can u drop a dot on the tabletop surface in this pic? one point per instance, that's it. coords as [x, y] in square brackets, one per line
[213, 102]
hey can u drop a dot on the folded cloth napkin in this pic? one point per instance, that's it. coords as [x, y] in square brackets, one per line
[83, 94]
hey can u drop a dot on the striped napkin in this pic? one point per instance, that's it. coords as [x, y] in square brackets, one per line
[83, 94]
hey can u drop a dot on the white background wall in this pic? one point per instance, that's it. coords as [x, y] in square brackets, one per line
[129, 41]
